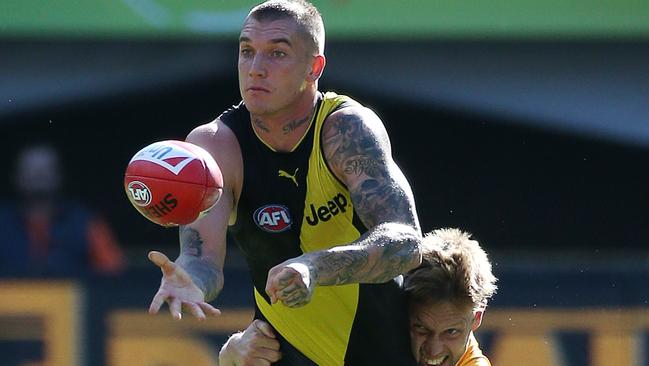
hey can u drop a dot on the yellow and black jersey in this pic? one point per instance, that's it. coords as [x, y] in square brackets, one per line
[291, 203]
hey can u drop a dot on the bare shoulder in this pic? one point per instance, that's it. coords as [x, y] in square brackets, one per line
[219, 140]
[212, 132]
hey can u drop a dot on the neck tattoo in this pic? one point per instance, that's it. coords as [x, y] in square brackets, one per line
[293, 125]
[261, 125]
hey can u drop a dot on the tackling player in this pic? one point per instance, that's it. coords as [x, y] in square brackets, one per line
[447, 296]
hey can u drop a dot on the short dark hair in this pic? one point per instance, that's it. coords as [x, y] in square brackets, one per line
[454, 268]
[305, 14]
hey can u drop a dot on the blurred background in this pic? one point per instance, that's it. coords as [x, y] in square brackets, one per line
[523, 122]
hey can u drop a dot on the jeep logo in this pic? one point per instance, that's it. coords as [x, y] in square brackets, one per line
[325, 212]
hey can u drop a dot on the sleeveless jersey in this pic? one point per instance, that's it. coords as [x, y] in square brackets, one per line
[291, 203]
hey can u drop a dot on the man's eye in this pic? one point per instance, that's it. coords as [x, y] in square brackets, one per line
[245, 52]
[418, 328]
[278, 54]
[452, 332]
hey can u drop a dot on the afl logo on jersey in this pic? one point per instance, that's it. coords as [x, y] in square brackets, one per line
[273, 218]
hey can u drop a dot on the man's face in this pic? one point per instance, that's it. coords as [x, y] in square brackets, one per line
[274, 65]
[439, 333]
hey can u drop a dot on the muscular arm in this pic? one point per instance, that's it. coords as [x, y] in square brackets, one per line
[202, 243]
[196, 276]
[384, 252]
[206, 272]
[357, 149]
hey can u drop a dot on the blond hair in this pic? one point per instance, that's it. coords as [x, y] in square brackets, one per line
[454, 268]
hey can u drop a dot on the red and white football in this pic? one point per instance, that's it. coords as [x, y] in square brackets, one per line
[173, 182]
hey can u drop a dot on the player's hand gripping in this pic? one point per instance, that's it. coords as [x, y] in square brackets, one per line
[256, 346]
[291, 282]
[179, 291]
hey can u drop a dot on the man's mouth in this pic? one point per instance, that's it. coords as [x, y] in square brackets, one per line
[434, 361]
[258, 89]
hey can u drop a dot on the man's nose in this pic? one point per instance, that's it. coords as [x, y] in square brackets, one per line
[433, 347]
[257, 66]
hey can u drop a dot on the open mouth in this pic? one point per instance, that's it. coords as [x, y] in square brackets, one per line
[434, 361]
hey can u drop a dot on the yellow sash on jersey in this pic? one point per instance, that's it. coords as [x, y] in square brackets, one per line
[321, 329]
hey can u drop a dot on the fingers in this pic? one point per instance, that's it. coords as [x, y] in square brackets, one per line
[292, 294]
[271, 290]
[290, 290]
[271, 286]
[254, 346]
[156, 303]
[264, 328]
[199, 310]
[209, 310]
[286, 285]
[175, 306]
[168, 267]
[265, 356]
[273, 298]
[195, 310]
[296, 300]
[261, 342]
[279, 279]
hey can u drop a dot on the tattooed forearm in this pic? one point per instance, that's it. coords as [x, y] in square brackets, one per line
[206, 275]
[378, 256]
[293, 125]
[338, 266]
[191, 242]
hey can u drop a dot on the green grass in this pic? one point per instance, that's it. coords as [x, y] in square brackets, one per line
[343, 18]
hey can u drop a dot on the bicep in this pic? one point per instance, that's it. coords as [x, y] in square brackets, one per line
[357, 149]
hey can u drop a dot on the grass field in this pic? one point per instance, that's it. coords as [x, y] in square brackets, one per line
[344, 18]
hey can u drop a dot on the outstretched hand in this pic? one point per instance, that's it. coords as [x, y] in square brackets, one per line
[179, 291]
[291, 282]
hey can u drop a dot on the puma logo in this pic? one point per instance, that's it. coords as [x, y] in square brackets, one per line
[291, 177]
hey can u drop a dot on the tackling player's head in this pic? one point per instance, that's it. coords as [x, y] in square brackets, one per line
[448, 294]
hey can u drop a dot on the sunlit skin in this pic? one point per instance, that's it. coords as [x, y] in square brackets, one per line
[277, 71]
[439, 332]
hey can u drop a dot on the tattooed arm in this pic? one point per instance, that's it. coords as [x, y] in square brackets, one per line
[197, 274]
[357, 149]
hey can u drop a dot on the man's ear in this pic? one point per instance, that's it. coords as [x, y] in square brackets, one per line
[477, 320]
[317, 67]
